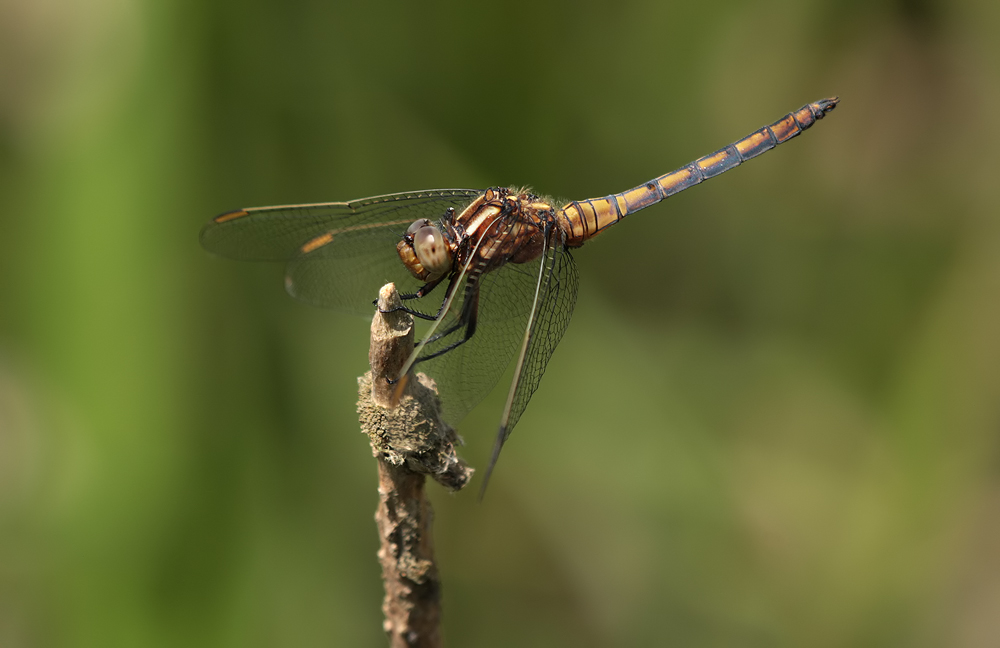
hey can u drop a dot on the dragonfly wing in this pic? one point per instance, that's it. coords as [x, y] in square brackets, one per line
[556, 289]
[339, 254]
[468, 372]
[344, 268]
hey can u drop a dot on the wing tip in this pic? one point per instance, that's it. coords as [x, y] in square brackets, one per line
[502, 435]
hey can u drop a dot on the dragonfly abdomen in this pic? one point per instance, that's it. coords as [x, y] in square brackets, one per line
[584, 219]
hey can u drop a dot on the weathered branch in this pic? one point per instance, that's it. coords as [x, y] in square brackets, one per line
[409, 440]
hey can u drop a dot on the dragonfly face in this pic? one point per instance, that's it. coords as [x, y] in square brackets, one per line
[424, 251]
[502, 255]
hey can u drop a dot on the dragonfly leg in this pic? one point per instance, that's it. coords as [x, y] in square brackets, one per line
[413, 312]
[467, 319]
[422, 292]
[443, 334]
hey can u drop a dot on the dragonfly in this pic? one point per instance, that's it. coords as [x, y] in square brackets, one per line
[490, 271]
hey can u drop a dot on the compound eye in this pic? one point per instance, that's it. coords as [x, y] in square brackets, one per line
[417, 224]
[431, 249]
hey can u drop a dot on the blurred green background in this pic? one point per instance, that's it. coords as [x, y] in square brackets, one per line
[774, 420]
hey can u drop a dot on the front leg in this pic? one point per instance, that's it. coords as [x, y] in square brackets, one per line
[468, 318]
[422, 292]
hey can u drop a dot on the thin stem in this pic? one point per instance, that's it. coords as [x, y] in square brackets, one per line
[409, 441]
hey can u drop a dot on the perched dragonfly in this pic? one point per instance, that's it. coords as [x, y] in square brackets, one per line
[502, 256]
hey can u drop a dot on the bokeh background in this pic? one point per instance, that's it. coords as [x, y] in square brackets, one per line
[774, 420]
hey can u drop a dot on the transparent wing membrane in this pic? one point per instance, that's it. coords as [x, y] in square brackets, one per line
[352, 245]
[556, 284]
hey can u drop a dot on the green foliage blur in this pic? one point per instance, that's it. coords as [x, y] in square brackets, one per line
[774, 419]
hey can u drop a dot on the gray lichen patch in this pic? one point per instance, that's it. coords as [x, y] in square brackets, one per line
[413, 433]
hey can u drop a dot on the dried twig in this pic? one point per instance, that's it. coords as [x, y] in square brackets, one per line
[409, 440]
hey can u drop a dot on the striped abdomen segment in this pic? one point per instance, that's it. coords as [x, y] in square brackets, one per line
[584, 219]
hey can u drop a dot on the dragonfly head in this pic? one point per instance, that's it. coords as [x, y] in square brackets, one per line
[424, 251]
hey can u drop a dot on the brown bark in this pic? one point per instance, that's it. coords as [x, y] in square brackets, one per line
[409, 440]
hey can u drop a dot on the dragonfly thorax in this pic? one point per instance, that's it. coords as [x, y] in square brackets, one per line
[424, 251]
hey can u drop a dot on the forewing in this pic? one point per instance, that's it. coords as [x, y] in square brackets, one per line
[339, 254]
[344, 268]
